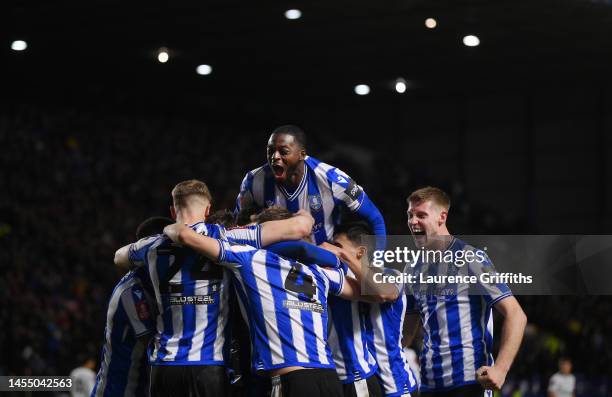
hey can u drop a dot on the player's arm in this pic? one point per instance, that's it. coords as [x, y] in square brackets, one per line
[370, 213]
[295, 228]
[378, 292]
[245, 196]
[122, 257]
[304, 252]
[185, 235]
[513, 328]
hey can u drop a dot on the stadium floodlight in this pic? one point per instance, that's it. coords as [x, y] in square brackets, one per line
[362, 89]
[471, 40]
[162, 55]
[400, 85]
[204, 70]
[19, 45]
[293, 14]
[431, 23]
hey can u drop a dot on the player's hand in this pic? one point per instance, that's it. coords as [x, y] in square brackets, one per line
[174, 231]
[306, 214]
[491, 377]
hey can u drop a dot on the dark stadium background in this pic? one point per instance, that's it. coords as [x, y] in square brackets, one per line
[94, 132]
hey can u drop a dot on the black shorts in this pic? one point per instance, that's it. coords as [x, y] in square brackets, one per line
[189, 380]
[365, 387]
[474, 390]
[307, 383]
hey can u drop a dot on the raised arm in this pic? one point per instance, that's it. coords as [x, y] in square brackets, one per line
[295, 228]
[372, 215]
[122, 257]
[378, 292]
[513, 328]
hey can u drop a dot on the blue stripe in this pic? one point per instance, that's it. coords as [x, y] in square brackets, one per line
[318, 215]
[283, 319]
[342, 318]
[293, 205]
[453, 324]
[307, 318]
[119, 366]
[476, 308]
[210, 332]
[189, 323]
[269, 187]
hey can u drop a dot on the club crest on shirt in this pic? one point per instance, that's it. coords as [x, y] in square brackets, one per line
[269, 203]
[314, 201]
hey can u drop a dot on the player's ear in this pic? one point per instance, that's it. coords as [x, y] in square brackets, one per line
[172, 212]
[207, 211]
[443, 216]
[361, 251]
[302, 153]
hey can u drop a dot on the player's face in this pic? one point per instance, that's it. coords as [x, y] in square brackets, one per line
[343, 242]
[424, 220]
[284, 156]
[565, 367]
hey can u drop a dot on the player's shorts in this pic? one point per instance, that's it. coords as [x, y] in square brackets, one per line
[307, 383]
[474, 390]
[189, 380]
[369, 387]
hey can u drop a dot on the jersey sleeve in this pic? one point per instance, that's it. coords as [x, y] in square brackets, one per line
[233, 255]
[553, 384]
[138, 310]
[245, 196]
[491, 292]
[336, 280]
[306, 253]
[137, 252]
[345, 189]
[248, 235]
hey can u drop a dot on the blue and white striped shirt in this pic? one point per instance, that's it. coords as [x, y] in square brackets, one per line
[348, 340]
[323, 190]
[285, 304]
[385, 322]
[458, 327]
[192, 297]
[124, 362]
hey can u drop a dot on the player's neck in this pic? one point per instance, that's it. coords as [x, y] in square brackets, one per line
[189, 217]
[293, 180]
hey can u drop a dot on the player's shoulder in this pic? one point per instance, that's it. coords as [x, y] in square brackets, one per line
[479, 254]
[326, 171]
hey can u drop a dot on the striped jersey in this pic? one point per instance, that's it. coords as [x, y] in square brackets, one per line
[192, 297]
[323, 190]
[384, 323]
[348, 340]
[285, 305]
[124, 361]
[457, 322]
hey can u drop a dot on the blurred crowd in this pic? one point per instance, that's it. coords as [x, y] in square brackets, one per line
[76, 184]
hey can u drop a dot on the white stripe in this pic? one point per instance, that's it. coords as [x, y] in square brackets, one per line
[327, 197]
[127, 301]
[334, 343]
[265, 297]
[297, 329]
[361, 388]
[201, 322]
[177, 320]
[358, 344]
[223, 316]
[382, 357]
[257, 186]
[152, 258]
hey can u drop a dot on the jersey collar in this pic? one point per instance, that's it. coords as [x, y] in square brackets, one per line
[300, 188]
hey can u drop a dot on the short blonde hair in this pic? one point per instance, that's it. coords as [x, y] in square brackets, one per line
[192, 188]
[430, 193]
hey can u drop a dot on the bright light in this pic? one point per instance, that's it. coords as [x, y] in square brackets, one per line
[362, 89]
[400, 86]
[471, 40]
[163, 55]
[19, 45]
[203, 70]
[431, 23]
[293, 14]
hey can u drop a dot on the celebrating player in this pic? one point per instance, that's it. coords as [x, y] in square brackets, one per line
[286, 305]
[129, 325]
[294, 180]
[190, 347]
[456, 359]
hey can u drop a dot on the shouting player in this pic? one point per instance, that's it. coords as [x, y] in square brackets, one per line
[294, 180]
[456, 360]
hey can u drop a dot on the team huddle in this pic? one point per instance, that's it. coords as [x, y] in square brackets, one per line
[288, 271]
